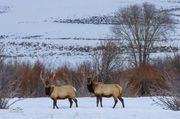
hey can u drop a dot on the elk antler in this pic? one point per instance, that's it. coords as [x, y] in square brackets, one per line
[95, 77]
[41, 76]
[53, 75]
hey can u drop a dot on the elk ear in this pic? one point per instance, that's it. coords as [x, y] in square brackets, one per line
[95, 78]
[89, 80]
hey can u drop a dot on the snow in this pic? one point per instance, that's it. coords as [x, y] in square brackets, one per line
[136, 108]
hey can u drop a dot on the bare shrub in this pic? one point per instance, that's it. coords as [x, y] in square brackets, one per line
[146, 80]
[171, 100]
[28, 75]
[170, 68]
[8, 92]
[171, 103]
[9, 85]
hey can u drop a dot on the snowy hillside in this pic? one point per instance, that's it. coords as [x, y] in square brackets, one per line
[50, 30]
[41, 108]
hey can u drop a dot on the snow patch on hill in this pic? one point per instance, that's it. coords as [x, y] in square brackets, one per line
[28, 24]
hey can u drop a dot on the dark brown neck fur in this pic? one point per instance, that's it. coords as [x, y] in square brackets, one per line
[90, 87]
[48, 90]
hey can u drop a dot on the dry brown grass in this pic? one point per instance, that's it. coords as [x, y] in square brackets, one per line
[146, 80]
[29, 76]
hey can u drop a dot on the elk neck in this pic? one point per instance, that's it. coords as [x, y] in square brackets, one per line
[49, 90]
[90, 87]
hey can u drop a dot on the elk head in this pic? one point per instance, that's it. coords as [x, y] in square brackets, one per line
[47, 81]
[91, 79]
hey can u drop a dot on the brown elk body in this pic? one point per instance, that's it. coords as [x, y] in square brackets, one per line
[100, 90]
[59, 92]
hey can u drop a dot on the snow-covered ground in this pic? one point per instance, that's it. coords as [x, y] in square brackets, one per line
[26, 25]
[41, 108]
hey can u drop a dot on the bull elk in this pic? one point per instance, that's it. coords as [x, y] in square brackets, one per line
[58, 92]
[99, 89]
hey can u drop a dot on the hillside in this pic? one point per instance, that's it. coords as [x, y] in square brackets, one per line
[64, 31]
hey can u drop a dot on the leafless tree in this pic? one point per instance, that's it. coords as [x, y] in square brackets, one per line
[140, 27]
[106, 59]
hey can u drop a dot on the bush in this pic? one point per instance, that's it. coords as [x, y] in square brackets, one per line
[146, 80]
[9, 91]
[3, 102]
[171, 68]
[28, 75]
[172, 103]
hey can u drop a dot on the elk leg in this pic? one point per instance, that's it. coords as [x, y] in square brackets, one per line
[70, 101]
[122, 101]
[75, 100]
[115, 102]
[55, 104]
[97, 101]
[100, 101]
